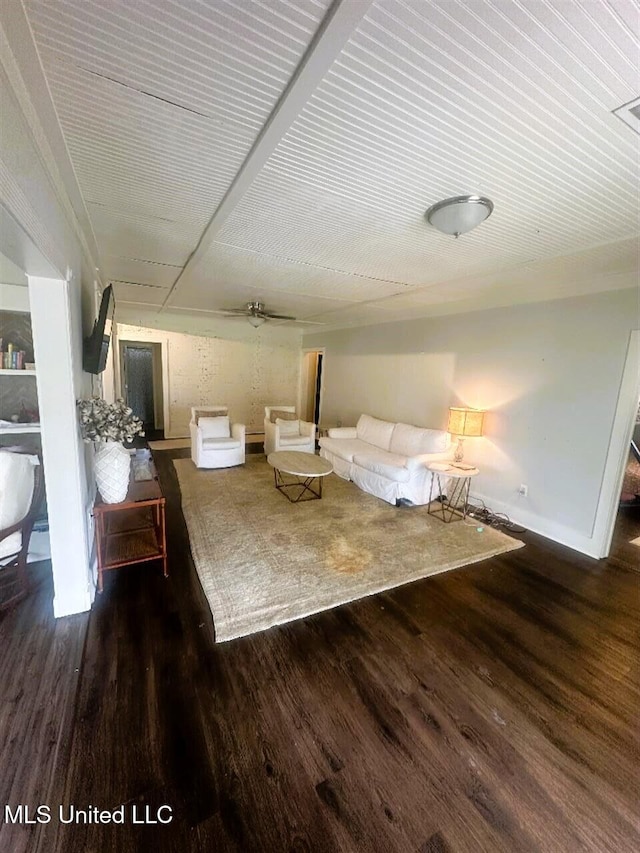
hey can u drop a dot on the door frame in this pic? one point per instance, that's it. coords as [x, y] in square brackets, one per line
[618, 451]
[302, 379]
[158, 360]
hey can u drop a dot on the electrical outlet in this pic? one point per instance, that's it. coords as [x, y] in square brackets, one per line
[523, 490]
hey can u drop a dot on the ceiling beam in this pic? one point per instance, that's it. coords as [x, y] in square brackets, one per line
[332, 35]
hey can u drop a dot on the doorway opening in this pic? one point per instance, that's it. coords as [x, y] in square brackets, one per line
[619, 455]
[141, 383]
[625, 545]
[311, 385]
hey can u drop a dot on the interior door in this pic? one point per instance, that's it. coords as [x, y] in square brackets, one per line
[318, 389]
[137, 362]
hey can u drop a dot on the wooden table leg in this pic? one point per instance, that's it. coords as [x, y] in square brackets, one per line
[99, 537]
[165, 565]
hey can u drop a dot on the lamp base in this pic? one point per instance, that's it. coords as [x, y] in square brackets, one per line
[458, 456]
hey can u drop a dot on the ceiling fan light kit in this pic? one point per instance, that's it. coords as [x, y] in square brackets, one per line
[256, 320]
[459, 214]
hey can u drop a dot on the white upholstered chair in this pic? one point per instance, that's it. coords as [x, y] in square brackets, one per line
[21, 493]
[287, 433]
[215, 443]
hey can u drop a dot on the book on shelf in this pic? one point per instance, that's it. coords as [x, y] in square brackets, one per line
[12, 359]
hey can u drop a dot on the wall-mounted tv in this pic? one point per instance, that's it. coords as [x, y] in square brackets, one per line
[96, 346]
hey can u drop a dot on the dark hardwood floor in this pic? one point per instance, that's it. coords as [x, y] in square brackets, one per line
[493, 708]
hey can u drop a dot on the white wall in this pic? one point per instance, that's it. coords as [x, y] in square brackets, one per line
[41, 233]
[547, 373]
[13, 297]
[246, 374]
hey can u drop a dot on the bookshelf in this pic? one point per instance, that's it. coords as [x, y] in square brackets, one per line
[5, 372]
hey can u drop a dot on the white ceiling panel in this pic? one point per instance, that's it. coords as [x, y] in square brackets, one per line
[133, 234]
[164, 103]
[429, 100]
[138, 294]
[226, 268]
[218, 294]
[139, 271]
[161, 100]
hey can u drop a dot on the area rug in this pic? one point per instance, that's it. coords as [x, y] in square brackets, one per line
[263, 561]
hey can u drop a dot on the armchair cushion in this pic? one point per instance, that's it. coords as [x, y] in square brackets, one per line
[294, 441]
[214, 427]
[17, 481]
[16, 486]
[220, 443]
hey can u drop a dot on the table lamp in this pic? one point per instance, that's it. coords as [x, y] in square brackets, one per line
[463, 423]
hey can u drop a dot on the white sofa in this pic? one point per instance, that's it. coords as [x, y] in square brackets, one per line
[287, 435]
[387, 459]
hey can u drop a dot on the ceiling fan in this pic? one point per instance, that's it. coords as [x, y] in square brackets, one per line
[257, 314]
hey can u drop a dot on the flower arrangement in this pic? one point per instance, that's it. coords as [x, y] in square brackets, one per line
[102, 421]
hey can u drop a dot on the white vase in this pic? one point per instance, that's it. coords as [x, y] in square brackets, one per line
[112, 465]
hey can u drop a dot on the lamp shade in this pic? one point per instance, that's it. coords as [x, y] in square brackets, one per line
[255, 320]
[465, 422]
[459, 214]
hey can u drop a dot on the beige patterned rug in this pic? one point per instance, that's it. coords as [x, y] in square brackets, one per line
[263, 561]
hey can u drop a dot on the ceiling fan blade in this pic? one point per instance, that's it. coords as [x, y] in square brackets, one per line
[271, 316]
[231, 312]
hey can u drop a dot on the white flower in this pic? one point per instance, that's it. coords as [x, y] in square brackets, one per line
[102, 421]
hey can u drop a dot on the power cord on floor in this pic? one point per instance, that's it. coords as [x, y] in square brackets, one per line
[481, 514]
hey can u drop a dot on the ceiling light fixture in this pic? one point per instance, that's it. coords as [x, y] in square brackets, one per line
[255, 320]
[459, 214]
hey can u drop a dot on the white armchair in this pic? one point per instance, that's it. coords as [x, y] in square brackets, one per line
[215, 443]
[289, 434]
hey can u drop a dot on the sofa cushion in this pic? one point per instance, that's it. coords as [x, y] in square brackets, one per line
[344, 448]
[290, 427]
[220, 443]
[414, 441]
[374, 431]
[214, 427]
[387, 465]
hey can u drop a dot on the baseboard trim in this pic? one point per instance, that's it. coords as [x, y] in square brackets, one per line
[542, 526]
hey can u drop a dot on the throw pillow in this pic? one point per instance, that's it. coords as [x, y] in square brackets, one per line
[284, 416]
[209, 413]
[288, 427]
[214, 427]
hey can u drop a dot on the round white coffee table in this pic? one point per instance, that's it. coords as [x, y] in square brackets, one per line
[453, 505]
[307, 467]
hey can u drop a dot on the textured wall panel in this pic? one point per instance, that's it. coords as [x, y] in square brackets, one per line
[245, 375]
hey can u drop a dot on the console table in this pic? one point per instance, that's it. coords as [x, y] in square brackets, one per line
[132, 531]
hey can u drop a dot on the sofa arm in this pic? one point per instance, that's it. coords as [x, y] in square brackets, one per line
[414, 462]
[343, 432]
[196, 439]
[307, 428]
[238, 431]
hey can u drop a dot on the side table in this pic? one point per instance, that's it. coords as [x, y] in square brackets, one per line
[454, 505]
[132, 531]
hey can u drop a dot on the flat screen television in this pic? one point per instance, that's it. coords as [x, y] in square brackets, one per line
[96, 346]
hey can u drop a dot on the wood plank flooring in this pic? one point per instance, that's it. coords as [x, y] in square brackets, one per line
[40, 660]
[489, 709]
